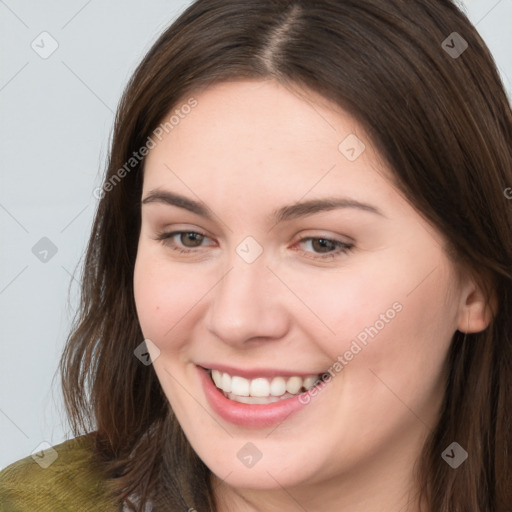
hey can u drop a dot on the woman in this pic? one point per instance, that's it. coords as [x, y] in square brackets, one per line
[297, 288]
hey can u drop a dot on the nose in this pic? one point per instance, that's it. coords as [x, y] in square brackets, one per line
[247, 305]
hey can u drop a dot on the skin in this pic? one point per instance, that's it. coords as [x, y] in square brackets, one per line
[246, 149]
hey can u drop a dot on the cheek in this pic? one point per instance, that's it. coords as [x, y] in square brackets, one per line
[402, 361]
[162, 296]
[357, 303]
[395, 316]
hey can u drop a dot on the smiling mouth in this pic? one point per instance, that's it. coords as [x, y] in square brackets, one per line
[261, 390]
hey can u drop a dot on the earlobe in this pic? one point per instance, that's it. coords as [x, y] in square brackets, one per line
[477, 309]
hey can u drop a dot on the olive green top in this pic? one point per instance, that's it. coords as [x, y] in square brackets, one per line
[60, 478]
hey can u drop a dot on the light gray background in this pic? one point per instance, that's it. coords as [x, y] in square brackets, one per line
[55, 123]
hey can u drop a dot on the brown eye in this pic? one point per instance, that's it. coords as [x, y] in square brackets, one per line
[182, 241]
[191, 239]
[325, 248]
[323, 245]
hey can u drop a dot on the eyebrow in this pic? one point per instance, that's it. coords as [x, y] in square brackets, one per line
[286, 213]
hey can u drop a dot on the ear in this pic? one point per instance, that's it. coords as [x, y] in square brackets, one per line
[477, 307]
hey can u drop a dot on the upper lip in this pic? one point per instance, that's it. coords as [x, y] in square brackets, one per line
[252, 373]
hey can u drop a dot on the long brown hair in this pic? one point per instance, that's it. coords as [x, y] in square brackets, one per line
[440, 118]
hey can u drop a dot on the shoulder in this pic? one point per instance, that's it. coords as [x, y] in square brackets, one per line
[60, 478]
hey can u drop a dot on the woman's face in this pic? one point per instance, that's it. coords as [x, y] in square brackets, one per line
[297, 258]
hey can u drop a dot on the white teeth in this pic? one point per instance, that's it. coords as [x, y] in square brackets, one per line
[256, 399]
[261, 390]
[309, 382]
[293, 385]
[226, 383]
[278, 386]
[217, 378]
[253, 399]
[239, 386]
[260, 387]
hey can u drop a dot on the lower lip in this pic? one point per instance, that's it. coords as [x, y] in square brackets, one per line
[248, 415]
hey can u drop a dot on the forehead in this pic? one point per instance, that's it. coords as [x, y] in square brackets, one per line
[260, 137]
[256, 111]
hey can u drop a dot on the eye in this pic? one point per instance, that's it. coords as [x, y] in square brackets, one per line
[325, 248]
[182, 241]
[317, 247]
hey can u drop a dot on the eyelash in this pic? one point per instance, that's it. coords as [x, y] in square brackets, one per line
[343, 248]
